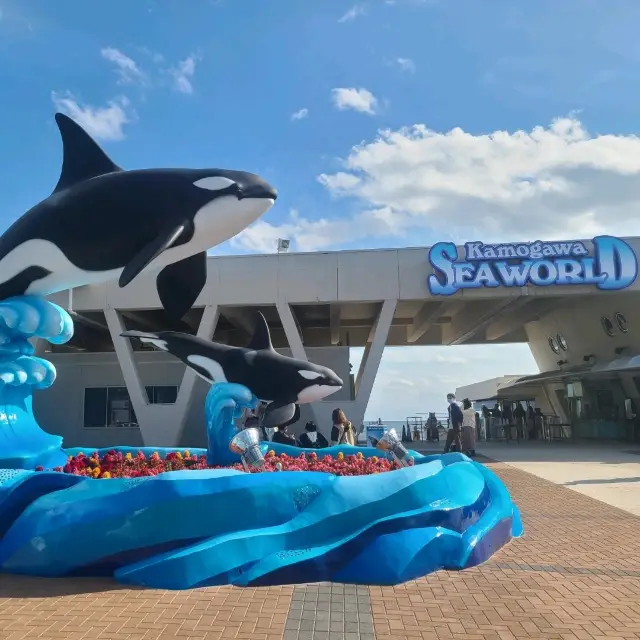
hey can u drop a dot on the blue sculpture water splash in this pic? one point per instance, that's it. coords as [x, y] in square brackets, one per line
[224, 404]
[23, 444]
[187, 529]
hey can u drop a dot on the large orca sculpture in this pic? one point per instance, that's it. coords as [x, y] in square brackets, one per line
[281, 381]
[104, 223]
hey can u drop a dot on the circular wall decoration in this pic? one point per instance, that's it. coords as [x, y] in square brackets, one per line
[621, 321]
[607, 325]
[554, 345]
[562, 342]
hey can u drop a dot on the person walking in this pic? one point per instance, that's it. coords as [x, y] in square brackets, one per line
[454, 424]
[468, 428]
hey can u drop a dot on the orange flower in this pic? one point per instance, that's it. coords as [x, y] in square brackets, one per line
[106, 474]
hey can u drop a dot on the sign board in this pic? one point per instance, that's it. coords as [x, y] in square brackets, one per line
[612, 267]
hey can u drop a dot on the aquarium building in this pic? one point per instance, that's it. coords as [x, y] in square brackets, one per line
[575, 303]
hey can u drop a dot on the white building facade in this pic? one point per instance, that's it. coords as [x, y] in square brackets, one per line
[318, 306]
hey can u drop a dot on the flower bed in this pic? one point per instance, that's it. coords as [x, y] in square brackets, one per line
[114, 464]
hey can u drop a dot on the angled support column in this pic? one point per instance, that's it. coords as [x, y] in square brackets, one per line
[294, 339]
[160, 425]
[335, 312]
[206, 329]
[124, 353]
[429, 314]
[464, 326]
[371, 359]
[291, 330]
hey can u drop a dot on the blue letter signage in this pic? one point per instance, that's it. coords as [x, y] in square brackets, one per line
[613, 265]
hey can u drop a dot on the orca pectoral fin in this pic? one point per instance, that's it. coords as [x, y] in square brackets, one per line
[150, 252]
[179, 284]
[279, 414]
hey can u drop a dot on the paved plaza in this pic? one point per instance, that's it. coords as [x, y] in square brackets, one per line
[575, 575]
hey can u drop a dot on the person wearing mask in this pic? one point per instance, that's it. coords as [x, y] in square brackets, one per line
[454, 424]
[342, 431]
[468, 428]
[311, 439]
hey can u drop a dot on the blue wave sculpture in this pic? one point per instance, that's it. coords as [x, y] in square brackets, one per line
[23, 444]
[187, 529]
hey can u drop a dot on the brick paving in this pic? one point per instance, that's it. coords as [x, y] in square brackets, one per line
[575, 575]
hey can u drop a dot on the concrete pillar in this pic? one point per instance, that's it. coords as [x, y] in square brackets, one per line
[294, 339]
[160, 425]
[371, 359]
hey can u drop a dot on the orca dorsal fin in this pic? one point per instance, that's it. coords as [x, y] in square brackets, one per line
[261, 339]
[82, 157]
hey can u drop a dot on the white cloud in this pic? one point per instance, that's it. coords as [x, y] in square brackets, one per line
[311, 235]
[551, 182]
[414, 380]
[406, 64]
[355, 11]
[102, 123]
[183, 74]
[301, 114]
[360, 100]
[128, 71]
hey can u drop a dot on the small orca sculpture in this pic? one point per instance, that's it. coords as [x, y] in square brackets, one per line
[282, 381]
[102, 223]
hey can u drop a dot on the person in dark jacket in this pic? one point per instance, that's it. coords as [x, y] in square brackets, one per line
[311, 439]
[454, 435]
[282, 436]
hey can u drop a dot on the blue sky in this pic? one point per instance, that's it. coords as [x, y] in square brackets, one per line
[500, 120]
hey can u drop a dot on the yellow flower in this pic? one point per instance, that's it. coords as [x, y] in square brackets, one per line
[178, 455]
[271, 453]
[106, 474]
[187, 453]
[129, 456]
[374, 459]
[340, 456]
[359, 455]
[95, 472]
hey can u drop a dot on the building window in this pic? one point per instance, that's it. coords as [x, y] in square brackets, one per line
[162, 394]
[554, 345]
[112, 407]
[607, 325]
[621, 321]
[562, 343]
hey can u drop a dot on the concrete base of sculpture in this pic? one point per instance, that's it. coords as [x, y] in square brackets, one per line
[186, 529]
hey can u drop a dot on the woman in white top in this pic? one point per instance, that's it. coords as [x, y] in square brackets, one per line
[468, 428]
[342, 431]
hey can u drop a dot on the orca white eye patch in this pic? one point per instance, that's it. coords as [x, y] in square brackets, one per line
[214, 183]
[310, 375]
